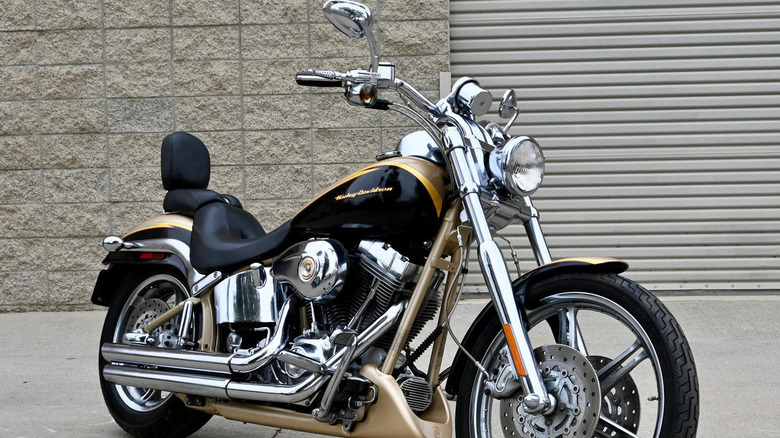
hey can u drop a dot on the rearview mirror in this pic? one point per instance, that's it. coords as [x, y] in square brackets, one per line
[353, 20]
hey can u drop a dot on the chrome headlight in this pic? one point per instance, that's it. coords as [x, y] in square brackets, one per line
[518, 165]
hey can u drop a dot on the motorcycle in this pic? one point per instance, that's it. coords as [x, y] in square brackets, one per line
[313, 326]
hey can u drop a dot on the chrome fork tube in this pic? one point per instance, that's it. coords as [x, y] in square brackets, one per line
[535, 235]
[496, 275]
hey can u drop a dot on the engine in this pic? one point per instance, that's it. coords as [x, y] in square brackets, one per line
[376, 278]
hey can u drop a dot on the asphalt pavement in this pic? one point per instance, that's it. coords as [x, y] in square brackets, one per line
[49, 385]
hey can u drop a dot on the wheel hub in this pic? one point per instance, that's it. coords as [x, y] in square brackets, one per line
[571, 379]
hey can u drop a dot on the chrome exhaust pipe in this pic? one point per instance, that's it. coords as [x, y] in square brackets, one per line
[190, 375]
[203, 362]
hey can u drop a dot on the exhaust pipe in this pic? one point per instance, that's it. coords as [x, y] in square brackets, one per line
[189, 369]
[199, 361]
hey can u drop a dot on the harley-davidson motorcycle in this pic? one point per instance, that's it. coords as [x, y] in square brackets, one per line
[335, 323]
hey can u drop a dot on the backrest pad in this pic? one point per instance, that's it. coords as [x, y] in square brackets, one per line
[184, 162]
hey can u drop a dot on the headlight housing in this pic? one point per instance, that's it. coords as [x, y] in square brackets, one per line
[518, 165]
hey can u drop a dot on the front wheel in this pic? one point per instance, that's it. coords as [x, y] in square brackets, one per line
[146, 413]
[611, 354]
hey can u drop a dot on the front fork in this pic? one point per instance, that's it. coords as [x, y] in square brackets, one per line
[496, 274]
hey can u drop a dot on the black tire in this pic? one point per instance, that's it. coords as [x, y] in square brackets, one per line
[678, 393]
[164, 415]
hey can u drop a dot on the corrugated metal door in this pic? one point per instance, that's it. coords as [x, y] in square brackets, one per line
[659, 121]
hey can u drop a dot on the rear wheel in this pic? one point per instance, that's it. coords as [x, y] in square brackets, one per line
[611, 354]
[146, 413]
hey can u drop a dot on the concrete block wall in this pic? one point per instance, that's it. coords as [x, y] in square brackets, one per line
[88, 89]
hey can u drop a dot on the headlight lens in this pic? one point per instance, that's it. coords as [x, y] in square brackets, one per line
[518, 165]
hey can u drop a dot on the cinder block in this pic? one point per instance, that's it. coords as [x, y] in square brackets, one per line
[228, 180]
[333, 111]
[329, 42]
[276, 112]
[415, 38]
[21, 187]
[18, 118]
[422, 71]
[394, 10]
[137, 185]
[19, 153]
[274, 76]
[19, 83]
[72, 290]
[71, 82]
[136, 13]
[72, 116]
[278, 182]
[274, 11]
[70, 47]
[138, 80]
[208, 113]
[207, 78]
[275, 41]
[134, 150]
[278, 147]
[17, 15]
[82, 185]
[22, 221]
[17, 48]
[73, 151]
[140, 115]
[127, 215]
[138, 45]
[225, 147]
[23, 255]
[204, 12]
[23, 290]
[345, 145]
[77, 220]
[206, 43]
[60, 254]
[68, 14]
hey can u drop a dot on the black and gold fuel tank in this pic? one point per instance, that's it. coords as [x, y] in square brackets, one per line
[395, 197]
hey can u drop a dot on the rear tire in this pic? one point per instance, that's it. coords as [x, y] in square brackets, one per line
[604, 299]
[144, 413]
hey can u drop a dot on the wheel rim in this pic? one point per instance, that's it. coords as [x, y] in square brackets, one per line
[148, 300]
[582, 311]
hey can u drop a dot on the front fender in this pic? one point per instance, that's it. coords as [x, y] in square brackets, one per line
[488, 315]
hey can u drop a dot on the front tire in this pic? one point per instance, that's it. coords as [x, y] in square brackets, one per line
[145, 413]
[645, 368]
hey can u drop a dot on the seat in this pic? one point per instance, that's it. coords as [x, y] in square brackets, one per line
[225, 238]
[185, 169]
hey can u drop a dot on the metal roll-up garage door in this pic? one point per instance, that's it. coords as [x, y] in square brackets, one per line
[660, 123]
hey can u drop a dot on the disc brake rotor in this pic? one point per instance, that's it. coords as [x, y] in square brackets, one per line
[621, 403]
[146, 313]
[571, 379]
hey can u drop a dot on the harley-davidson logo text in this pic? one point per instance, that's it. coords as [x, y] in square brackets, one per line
[363, 193]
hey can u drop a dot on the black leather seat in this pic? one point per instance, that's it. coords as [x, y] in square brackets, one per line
[185, 168]
[225, 238]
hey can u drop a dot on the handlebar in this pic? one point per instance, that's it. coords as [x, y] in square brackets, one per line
[313, 78]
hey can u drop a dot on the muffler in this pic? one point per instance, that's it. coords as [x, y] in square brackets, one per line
[193, 373]
[199, 361]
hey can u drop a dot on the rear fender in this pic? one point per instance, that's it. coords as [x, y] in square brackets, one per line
[163, 241]
[489, 316]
